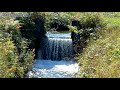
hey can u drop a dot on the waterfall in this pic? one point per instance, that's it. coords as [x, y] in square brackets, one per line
[56, 47]
[54, 58]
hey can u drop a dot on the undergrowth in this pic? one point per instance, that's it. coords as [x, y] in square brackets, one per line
[101, 58]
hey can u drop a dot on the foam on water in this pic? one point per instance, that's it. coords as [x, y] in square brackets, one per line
[54, 69]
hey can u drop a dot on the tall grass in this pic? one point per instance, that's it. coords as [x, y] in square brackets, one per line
[101, 58]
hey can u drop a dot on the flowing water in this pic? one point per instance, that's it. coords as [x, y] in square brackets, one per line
[55, 58]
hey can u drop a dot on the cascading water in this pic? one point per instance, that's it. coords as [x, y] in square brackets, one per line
[55, 58]
[55, 48]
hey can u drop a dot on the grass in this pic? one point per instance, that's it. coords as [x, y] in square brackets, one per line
[101, 58]
[113, 22]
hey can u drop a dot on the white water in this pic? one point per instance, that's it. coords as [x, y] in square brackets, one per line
[54, 58]
[54, 69]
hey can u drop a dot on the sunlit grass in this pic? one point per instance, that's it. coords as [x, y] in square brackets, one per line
[101, 58]
[113, 22]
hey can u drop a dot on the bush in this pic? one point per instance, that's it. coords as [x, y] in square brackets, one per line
[16, 58]
[88, 26]
[8, 59]
[61, 18]
[91, 20]
[33, 29]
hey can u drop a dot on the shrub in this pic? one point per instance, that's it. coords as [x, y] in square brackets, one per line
[16, 58]
[88, 26]
[61, 18]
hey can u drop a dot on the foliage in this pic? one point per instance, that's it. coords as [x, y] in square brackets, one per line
[88, 26]
[8, 59]
[89, 23]
[15, 58]
[59, 17]
[73, 29]
[111, 14]
[29, 29]
[101, 57]
[112, 22]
